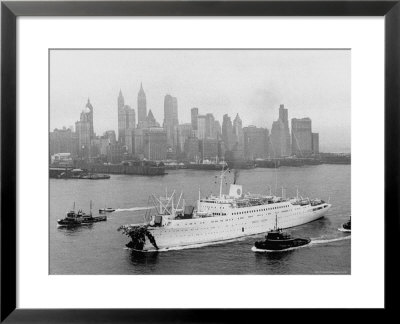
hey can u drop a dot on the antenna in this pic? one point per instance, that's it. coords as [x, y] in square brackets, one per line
[172, 203]
[90, 207]
[276, 178]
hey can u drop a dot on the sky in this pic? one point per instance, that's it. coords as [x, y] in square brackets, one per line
[251, 83]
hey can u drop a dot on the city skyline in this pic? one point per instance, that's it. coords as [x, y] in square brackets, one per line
[260, 109]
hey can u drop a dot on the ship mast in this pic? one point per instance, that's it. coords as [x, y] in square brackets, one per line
[221, 179]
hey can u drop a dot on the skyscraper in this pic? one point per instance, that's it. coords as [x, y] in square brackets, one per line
[315, 143]
[217, 129]
[155, 143]
[151, 121]
[209, 149]
[63, 141]
[280, 134]
[183, 132]
[121, 118]
[301, 136]
[90, 118]
[83, 131]
[191, 147]
[121, 100]
[210, 121]
[227, 133]
[238, 135]
[171, 119]
[201, 127]
[129, 120]
[126, 124]
[142, 107]
[256, 142]
[194, 112]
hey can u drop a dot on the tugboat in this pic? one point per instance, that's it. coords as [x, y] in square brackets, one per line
[80, 218]
[346, 227]
[276, 240]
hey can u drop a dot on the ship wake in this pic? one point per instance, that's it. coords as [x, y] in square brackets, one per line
[131, 209]
[330, 240]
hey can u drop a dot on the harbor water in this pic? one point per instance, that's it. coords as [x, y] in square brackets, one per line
[100, 249]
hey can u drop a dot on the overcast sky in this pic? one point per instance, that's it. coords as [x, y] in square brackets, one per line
[253, 83]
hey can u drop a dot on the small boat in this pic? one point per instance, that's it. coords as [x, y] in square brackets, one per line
[346, 227]
[80, 218]
[106, 210]
[95, 176]
[277, 240]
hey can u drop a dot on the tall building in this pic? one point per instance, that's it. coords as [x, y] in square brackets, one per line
[191, 147]
[110, 135]
[83, 131]
[217, 129]
[151, 121]
[121, 118]
[280, 135]
[126, 124]
[201, 127]
[227, 133]
[90, 118]
[142, 107]
[105, 142]
[63, 141]
[209, 149]
[301, 136]
[138, 142]
[183, 132]
[155, 143]
[170, 119]
[120, 100]
[194, 112]
[238, 136]
[315, 143]
[129, 126]
[256, 142]
[210, 123]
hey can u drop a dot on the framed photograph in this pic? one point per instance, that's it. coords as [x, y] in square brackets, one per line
[197, 156]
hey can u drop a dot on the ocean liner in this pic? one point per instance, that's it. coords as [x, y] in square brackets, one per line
[218, 218]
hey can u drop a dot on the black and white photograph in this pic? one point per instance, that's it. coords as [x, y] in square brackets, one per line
[200, 161]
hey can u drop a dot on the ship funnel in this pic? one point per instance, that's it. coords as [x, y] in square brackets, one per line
[235, 176]
[235, 191]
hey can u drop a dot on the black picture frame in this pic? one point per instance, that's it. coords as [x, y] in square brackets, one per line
[10, 10]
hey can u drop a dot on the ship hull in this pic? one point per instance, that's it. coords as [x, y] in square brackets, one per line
[192, 232]
[283, 245]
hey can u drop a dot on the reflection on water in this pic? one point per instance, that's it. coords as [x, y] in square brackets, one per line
[143, 258]
[71, 230]
[276, 261]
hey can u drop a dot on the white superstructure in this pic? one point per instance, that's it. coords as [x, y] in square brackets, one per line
[220, 218]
